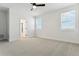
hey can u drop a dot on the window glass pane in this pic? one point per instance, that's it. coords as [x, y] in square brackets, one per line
[38, 23]
[68, 20]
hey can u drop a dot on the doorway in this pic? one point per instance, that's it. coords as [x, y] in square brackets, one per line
[23, 28]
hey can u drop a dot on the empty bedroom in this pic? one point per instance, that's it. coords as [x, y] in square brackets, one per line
[39, 29]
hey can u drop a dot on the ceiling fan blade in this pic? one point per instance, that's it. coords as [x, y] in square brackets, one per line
[40, 5]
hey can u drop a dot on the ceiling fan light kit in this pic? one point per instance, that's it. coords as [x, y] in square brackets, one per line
[34, 7]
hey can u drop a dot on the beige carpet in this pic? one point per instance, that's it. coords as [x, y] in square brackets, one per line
[38, 47]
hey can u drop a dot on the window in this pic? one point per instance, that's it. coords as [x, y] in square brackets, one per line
[38, 23]
[68, 20]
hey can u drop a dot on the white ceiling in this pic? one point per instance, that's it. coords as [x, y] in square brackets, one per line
[50, 7]
[38, 10]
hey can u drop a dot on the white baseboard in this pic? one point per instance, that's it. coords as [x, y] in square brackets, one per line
[59, 39]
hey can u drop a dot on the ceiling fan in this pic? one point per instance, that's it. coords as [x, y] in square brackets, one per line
[35, 5]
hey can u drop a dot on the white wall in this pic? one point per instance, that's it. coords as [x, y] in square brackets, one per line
[3, 23]
[16, 14]
[18, 11]
[51, 26]
[30, 26]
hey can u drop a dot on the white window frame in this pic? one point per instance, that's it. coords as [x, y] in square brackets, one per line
[69, 29]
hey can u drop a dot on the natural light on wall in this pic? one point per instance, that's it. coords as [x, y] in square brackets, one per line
[68, 20]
